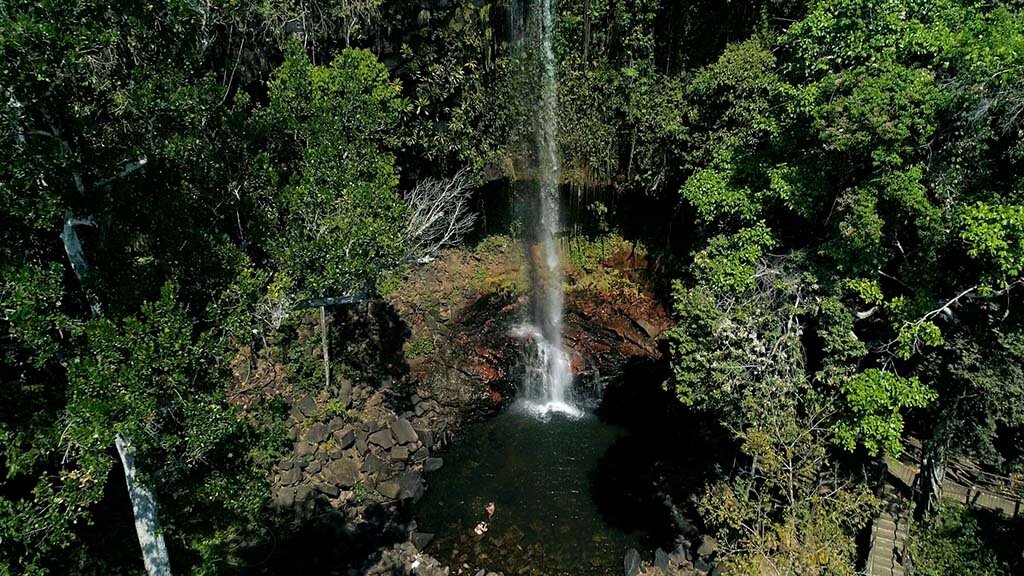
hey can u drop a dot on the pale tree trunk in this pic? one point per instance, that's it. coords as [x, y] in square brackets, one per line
[147, 525]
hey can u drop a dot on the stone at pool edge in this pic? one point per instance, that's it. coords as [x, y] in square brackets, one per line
[631, 562]
[421, 539]
[433, 464]
[707, 547]
[661, 560]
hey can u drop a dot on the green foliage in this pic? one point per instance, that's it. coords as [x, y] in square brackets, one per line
[585, 254]
[337, 216]
[151, 379]
[787, 515]
[420, 346]
[717, 201]
[874, 401]
[738, 350]
[728, 263]
[950, 542]
[995, 235]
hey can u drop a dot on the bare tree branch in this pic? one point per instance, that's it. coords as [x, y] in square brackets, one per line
[440, 214]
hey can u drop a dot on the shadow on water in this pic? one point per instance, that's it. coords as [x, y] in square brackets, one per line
[647, 481]
[572, 495]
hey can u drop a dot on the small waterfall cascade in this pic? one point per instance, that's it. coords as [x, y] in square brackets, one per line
[548, 382]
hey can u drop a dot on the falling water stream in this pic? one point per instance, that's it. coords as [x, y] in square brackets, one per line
[548, 383]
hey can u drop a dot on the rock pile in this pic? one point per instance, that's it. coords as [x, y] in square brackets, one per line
[350, 448]
[679, 562]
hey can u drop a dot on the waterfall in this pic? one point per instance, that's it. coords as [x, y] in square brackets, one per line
[548, 382]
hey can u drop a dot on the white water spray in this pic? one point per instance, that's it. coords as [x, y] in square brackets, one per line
[548, 386]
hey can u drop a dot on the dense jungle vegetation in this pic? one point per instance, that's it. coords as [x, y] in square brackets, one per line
[833, 191]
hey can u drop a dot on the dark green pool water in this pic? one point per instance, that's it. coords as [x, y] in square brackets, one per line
[553, 517]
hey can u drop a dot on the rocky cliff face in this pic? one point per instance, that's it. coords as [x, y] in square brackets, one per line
[462, 312]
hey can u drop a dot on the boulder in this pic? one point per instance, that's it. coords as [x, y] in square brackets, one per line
[345, 437]
[631, 563]
[411, 486]
[313, 467]
[336, 452]
[420, 454]
[303, 449]
[307, 406]
[661, 560]
[432, 464]
[403, 432]
[421, 539]
[286, 497]
[317, 433]
[382, 438]
[343, 472]
[399, 453]
[345, 393]
[362, 441]
[303, 493]
[291, 476]
[681, 554]
[425, 436]
[336, 423]
[707, 547]
[329, 490]
[389, 489]
[374, 465]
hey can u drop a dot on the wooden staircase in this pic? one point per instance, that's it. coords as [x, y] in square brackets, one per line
[888, 556]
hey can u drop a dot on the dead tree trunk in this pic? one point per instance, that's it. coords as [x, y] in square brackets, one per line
[147, 525]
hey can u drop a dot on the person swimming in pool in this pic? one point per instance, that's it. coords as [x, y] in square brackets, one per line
[481, 527]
